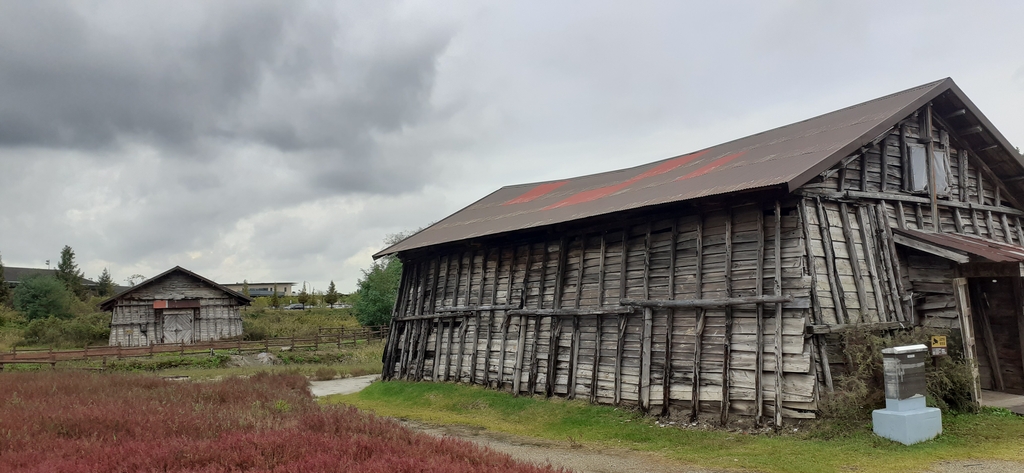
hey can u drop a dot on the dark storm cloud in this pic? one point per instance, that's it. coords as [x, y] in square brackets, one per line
[295, 76]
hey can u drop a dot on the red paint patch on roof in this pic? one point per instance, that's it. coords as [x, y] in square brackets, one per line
[536, 192]
[594, 194]
[711, 166]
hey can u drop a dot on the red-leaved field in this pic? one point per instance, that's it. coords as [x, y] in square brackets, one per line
[86, 422]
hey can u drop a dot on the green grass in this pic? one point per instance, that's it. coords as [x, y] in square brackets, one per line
[263, 323]
[993, 434]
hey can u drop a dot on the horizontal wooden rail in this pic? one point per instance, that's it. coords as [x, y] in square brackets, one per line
[706, 303]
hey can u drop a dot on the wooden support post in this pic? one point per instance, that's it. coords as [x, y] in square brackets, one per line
[991, 226]
[556, 323]
[1020, 237]
[904, 160]
[517, 373]
[892, 263]
[981, 186]
[759, 336]
[958, 221]
[666, 376]
[975, 222]
[811, 267]
[933, 185]
[699, 328]
[778, 316]
[463, 326]
[961, 158]
[503, 330]
[1007, 233]
[556, 333]
[473, 379]
[864, 171]
[851, 249]
[901, 215]
[919, 214]
[645, 338]
[833, 279]
[438, 332]
[619, 346]
[727, 348]
[870, 252]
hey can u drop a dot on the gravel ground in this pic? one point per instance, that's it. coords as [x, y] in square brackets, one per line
[341, 386]
[977, 466]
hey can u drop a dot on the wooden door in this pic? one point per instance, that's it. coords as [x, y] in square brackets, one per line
[996, 311]
[178, 325]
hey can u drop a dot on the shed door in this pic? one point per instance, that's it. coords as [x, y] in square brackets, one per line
[178, 325]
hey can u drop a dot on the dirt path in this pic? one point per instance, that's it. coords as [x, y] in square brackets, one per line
[341, 386]
[577, 458]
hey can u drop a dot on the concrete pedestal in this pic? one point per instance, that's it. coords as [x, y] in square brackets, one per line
[908, 421]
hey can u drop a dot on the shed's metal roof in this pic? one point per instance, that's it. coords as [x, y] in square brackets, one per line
[978, 248]
[788, 157]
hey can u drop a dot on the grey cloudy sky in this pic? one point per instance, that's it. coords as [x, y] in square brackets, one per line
[284, 140]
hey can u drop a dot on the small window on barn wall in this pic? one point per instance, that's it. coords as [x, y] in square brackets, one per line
[919, 168]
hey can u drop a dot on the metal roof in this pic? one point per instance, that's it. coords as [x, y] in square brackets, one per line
[787, 157]
[14, 274]
[109, 303]
[979, 249]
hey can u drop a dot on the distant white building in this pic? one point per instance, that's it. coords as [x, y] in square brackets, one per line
[264, 289]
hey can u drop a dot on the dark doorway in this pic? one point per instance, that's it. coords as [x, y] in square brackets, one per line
[997, 315]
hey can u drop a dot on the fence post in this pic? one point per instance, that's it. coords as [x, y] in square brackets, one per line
[181, 348]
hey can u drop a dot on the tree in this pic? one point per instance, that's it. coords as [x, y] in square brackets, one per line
[245, 287]
[43, 296]
[68, 273]
[329, 298]
[377, 291]
[303, 296]
[105, 284]
[5, 292]
[275, 300]
[134, 279]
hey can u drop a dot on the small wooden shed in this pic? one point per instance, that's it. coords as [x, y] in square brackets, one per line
[713, 284]
[177, 306]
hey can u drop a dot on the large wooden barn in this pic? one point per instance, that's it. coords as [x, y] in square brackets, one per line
[712, 284]
[177, 306]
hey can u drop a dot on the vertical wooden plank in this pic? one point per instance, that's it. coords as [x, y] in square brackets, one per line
[883, 150]
[437, 349]
[666, 376]
[864, 171]
[1007, 233]
[759, 336]
[842, 179]
[727, 349]
[574, 348]
[620, 343]
[645, 348]
[998, 197]
[904, 160]
[556, 323]
[600, 303]
[870, 251]
[465, 321]
[966, 319]
[958, 221]
[974, 222]
[901, 215]
[981, 186]
[699, 328]
[991, 226]
[851, 248]
[1020, 234]
[833, 279]
[778, 315]
[920, 216]
[535, 365]
[929, 146]
[479, 320]
[517, 372]
[961, 156]
[505, 320]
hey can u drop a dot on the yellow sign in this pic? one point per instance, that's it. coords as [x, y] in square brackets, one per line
[938, 341]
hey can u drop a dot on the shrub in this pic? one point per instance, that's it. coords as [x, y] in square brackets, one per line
[325, 373]
[377, 292]
[43, 296]
[68, 333]
[118, 422]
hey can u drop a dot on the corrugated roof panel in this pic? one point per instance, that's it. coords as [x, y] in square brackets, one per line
[978, 247]
[786, 156]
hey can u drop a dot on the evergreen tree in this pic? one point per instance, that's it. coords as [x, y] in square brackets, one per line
[5, 292]
[332, 294]
[68, 273]
[303, 296]
[105, 284]
[275, 300]
[245, 287]
[39, 297]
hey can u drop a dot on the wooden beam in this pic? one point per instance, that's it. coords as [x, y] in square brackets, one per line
[478, 308]
[437, 349]
[535, 365]
[556, 333]
[506, 320]
[517, 373]
[619, 347]
[883, 150]
[830, 266]
[574, 347]
[875, 327]
[851, 248]
[933, 185]
[477, 317]
[465, 320]
[778, 316]
[707, 303]
[600, 303]
[811, 267]
[574, 312]
[1007, 233]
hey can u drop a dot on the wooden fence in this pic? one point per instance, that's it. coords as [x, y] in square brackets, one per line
[338, 336]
